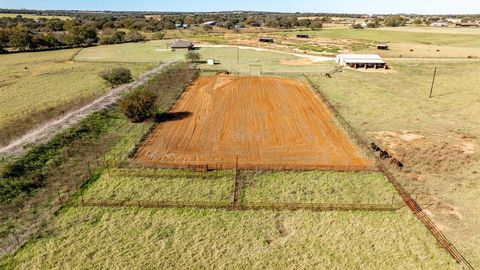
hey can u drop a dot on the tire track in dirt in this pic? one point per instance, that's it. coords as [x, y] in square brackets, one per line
[51, 128]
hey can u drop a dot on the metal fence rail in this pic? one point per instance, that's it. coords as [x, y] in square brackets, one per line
[229, 165]
[318, 207]
[407, 198]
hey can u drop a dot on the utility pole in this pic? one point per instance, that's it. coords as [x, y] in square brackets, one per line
[433, 82]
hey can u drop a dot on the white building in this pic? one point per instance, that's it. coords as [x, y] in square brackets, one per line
[454, 20]
[440, 24]
[361, 61]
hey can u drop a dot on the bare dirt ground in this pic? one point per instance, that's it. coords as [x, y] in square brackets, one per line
[52, 128]
[268, 123]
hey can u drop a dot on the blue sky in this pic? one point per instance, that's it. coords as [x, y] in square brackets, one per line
[334, 6]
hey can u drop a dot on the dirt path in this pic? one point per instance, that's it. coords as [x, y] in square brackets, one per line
[51, 128]
[314, 58]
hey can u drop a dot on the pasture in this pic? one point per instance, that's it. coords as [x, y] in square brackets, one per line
[251, 122]
[84, 238]
[314, 187]
[285, 122]
[403, 41]
[225, 57]
[36, 87]
[436, 138]
[319, 187]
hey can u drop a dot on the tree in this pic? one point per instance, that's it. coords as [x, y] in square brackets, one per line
[193, 57]
[316, 24]
[272, 23]
[417, 22]
[20, 39]
[139, 105]
[394, 21]
[134, 36]
[4, 38]
[357, 26]
[117, 76]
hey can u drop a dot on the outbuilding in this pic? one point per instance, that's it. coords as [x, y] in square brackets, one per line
[182, 45]
[268, 40]
[303, 36]
[382, 47]
[211, 23]
[361, 61]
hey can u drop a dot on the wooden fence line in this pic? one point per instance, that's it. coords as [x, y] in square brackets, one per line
[407, 198]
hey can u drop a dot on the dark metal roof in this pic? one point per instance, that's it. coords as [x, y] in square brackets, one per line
[182, 44]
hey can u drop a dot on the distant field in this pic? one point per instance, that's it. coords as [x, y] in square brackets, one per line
[437, 139]
[439, 30]
[85, 238]
[37, 86]
[375, 35]
[409, 50]
[31, 16]
[157, 51]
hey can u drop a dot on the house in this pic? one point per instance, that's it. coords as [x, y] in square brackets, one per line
[268, 40]
[182, 45]
[361, 61]
[382, 47]
[468, 24]
[303, 36]
[211, 23]
[454, 20]
[182, 26]
[440, 24]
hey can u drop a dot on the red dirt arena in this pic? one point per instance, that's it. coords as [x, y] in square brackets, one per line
[252, 122]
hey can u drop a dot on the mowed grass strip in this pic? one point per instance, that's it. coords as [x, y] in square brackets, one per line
[319, 187]
[162, 185]
[133, 238]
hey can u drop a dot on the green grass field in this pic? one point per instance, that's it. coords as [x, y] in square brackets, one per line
[163, 185]
[157, 51]
[85, 238]
[436, 138]
[377, 35]
[217, 187]
[319, 187]
[38, 86]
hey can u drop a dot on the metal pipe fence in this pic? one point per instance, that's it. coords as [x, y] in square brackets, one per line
[407, 198]
[318, 207]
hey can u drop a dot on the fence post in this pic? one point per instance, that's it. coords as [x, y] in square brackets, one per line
[89, 169]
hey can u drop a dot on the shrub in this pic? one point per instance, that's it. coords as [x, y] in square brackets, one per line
[139, 105]
[134, 36]
[117, 76]
[193, 56]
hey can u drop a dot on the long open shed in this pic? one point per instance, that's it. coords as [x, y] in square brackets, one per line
[361, 61]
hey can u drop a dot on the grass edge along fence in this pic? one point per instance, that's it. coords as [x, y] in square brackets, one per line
[118, 166]
[407, 198]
